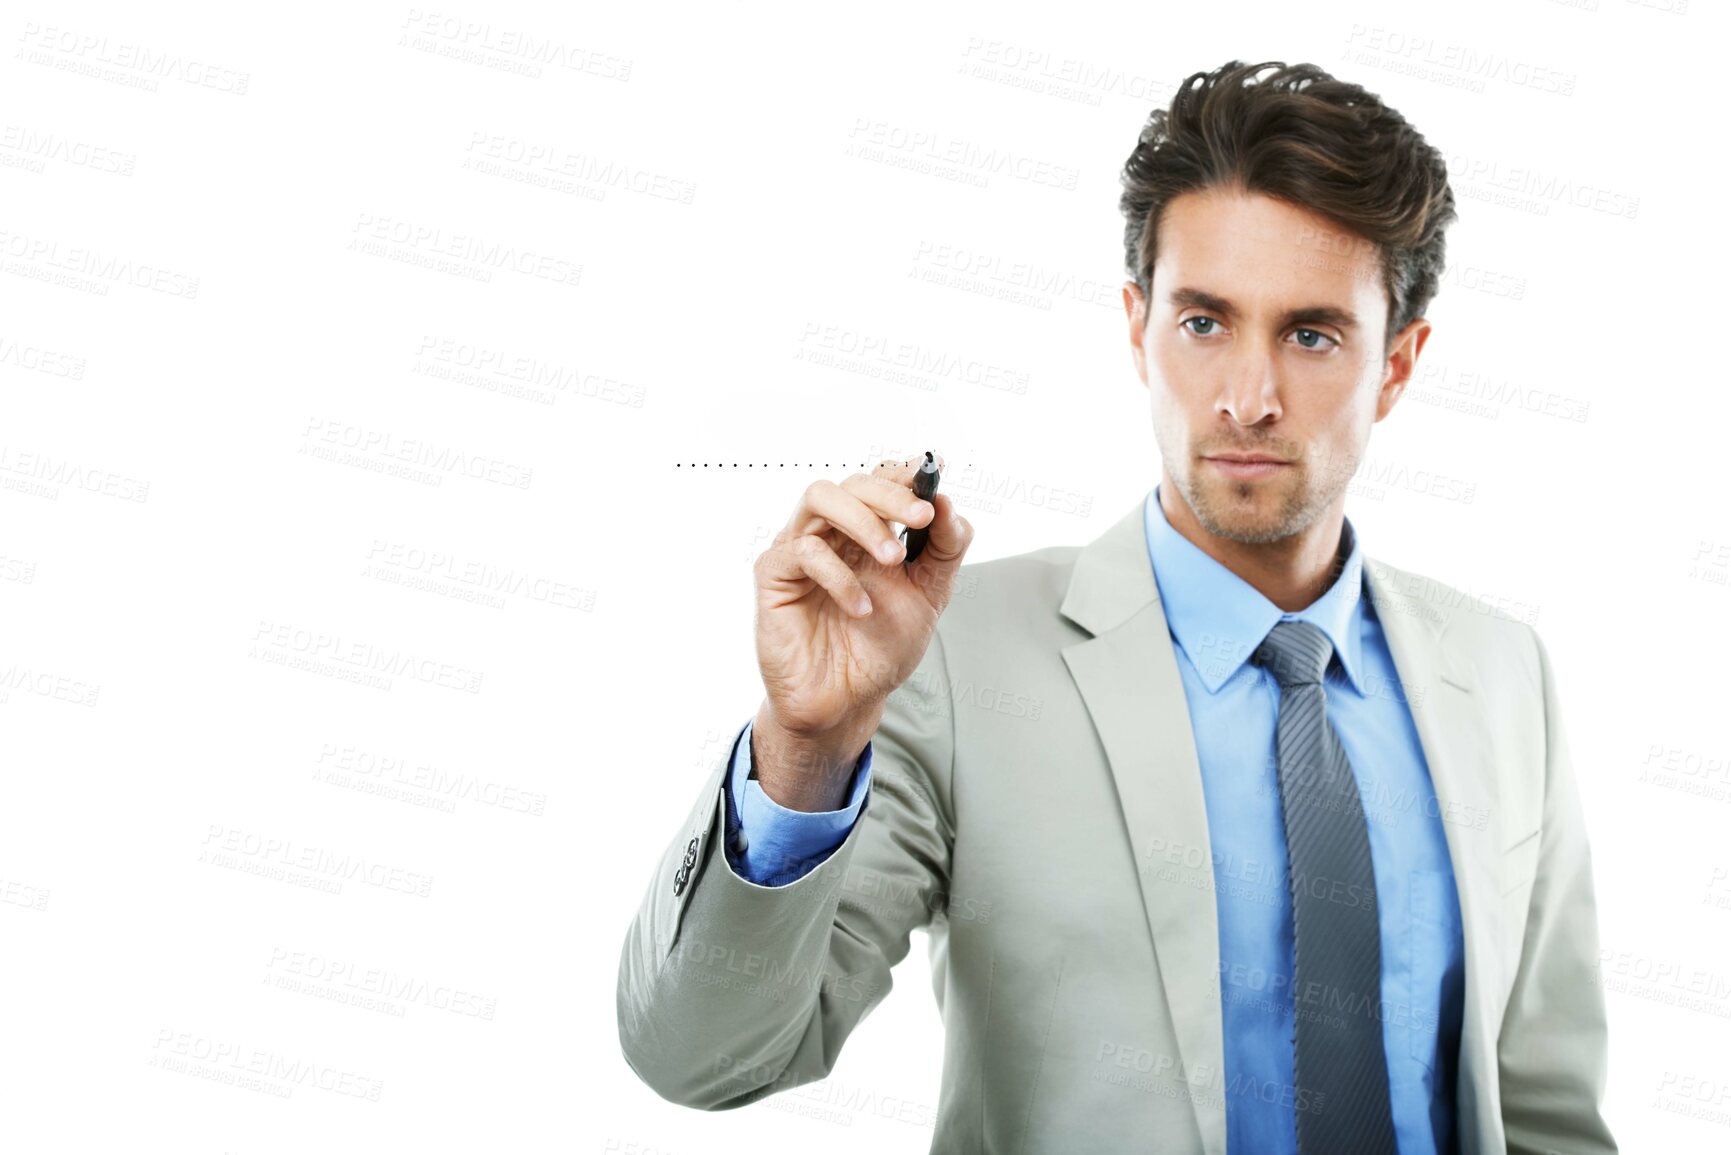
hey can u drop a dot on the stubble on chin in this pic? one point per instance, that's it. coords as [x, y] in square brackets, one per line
[1236, 511]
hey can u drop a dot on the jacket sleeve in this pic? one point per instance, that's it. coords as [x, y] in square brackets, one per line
[1552, 1048]
[730, 991]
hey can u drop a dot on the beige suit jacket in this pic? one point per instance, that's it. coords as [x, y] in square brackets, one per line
[1029, 785]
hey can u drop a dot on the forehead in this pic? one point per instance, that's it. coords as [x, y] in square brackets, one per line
[1264, 254]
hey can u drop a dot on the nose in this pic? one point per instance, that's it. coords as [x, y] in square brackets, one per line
[1250, 394]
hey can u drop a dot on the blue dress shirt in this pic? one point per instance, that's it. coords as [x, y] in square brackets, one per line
[771, 845]
[1217, 620]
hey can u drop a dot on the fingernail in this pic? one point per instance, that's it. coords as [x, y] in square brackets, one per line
[890, 550]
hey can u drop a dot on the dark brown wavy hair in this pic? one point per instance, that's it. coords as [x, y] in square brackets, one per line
[1301, 136]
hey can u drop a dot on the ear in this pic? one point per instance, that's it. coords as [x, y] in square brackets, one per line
[1136, 313]
[1402, 360]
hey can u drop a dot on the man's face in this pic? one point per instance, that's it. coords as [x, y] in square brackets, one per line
[1263, 335]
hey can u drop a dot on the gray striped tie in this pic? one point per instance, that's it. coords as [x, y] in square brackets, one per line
[1336, 949]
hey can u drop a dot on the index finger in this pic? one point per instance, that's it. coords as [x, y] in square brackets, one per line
[902, 472]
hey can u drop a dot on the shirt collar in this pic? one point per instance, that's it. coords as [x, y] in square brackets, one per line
[1219, 618]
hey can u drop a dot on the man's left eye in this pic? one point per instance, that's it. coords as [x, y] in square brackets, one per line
[1314, 333]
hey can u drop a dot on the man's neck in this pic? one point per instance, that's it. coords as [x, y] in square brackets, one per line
[1292, 573]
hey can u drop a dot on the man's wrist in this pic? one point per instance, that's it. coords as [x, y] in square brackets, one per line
[806, 772]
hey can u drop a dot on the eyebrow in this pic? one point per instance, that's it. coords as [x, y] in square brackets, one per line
[1322, 314]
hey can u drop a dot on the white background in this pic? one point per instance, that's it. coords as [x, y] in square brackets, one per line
[220, 233]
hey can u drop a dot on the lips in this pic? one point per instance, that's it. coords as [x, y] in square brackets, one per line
[1248, 470]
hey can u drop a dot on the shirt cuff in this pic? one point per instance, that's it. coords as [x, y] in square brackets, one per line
[782, 845]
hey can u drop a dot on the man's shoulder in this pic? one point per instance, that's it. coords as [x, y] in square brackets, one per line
[1048, 563]
[1489, 626]
[1011, 593]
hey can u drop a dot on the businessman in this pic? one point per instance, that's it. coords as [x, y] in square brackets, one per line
[1228, 837]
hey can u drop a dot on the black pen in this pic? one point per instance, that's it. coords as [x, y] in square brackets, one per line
[925, 487]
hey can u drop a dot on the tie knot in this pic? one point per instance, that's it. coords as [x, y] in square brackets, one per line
[1296, 653]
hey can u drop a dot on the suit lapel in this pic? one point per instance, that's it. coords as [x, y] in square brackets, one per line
[1440, 685]
[1127, 675]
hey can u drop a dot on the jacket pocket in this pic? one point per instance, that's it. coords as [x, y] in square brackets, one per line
[1520, 863]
